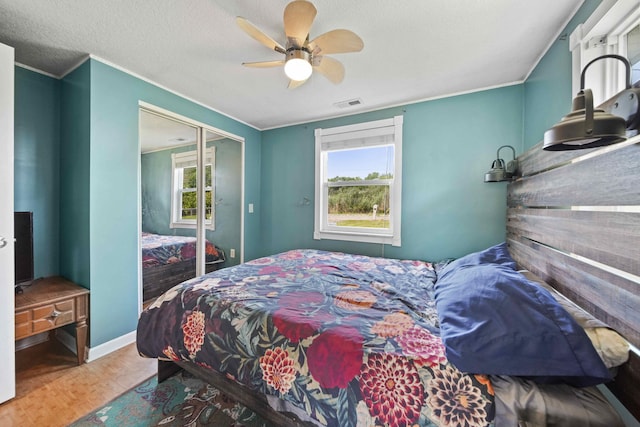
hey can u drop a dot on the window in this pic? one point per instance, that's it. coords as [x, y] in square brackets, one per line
[359, 182]
[183, 200]
[633, 53]
[614, 28]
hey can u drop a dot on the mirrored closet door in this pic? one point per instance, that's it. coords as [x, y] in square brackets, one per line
[191, 201]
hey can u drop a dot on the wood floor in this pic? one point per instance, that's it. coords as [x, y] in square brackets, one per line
[52, 390]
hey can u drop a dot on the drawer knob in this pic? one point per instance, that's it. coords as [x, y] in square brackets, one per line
[55, 314]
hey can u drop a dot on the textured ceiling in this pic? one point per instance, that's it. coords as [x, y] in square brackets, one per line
[414, 49]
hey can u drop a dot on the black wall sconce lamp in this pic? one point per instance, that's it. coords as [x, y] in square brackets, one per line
[586, 127]
[499, 172]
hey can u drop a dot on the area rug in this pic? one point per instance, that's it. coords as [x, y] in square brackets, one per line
[181, 400]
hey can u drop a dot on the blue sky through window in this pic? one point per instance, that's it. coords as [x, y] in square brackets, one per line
[360, 162]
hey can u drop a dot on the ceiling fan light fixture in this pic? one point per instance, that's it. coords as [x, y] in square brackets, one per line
[298, 65]
[304, 55]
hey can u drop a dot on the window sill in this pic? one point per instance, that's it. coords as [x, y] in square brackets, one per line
[210, 227]
[385, 239]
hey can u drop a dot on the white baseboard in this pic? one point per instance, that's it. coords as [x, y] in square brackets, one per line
[110, 346]
[97, 352]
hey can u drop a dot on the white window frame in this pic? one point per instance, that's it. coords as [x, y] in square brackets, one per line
[353, 137]
[190, 159]
[602, 34]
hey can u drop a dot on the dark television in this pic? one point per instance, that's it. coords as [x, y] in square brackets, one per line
[23, 231]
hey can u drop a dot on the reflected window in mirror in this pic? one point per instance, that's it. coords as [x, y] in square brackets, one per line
[184, 195]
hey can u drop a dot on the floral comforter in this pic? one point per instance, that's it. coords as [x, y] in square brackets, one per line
[351, 340]
[158, 249]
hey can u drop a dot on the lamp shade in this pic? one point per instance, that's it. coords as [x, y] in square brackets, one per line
[298, 67]
[497, 172]
[585, 127]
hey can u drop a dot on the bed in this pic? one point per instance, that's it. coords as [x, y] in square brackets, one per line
[297, 325]
[343, 340]
[321, 338]
[169, 260]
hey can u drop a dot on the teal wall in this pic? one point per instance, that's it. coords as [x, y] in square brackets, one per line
[37, 164]
[548, 92]
[156, 195]
[75, 242]
[447, 209]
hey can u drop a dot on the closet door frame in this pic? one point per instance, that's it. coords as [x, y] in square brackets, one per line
[202, 129]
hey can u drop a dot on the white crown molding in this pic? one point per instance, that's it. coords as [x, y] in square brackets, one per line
[73, 67]
[400, 104]
[35, 70]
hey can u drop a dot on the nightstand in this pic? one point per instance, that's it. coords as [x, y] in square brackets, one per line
[50, 303]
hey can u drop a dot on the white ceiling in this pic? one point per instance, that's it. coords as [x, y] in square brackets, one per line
[158, 132]
[413, 49]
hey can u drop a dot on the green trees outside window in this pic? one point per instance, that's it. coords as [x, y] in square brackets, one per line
[189, 202]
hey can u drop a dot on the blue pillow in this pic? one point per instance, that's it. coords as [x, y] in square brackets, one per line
[498, 254]
[494, 321]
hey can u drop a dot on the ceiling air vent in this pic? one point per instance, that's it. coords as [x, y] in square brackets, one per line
[349, 103]
[178, 139]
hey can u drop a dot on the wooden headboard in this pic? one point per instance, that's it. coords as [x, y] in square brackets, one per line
[573, 219]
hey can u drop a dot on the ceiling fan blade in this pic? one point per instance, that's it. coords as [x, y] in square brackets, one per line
[336, 41]
[298, 17]
[295, 83]
[331, 68]
[257, 34]
[264, 64]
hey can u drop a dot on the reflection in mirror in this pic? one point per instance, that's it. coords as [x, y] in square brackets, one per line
[169, 202]
[226, 194]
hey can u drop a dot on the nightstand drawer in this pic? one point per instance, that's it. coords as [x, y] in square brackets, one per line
[52, 316]
[44, 318]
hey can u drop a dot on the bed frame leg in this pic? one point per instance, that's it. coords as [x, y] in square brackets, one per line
[166, 369]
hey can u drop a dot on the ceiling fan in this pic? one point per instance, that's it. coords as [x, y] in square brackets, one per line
[301, 55]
